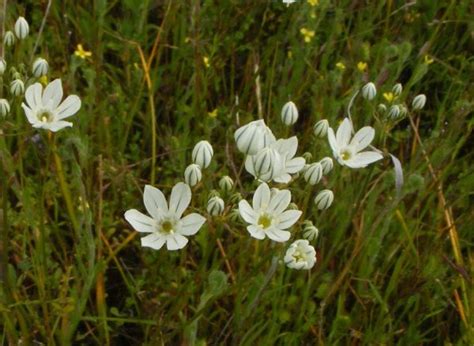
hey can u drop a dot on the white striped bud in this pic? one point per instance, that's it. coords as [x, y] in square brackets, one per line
[4, 107]
[192, 174]
[327, 165]
[253, 137]
[266, 165]
[419, 102]
[226, 183]
[202, 154]
[40, 67]
[3, 66]
[215, 206]
[394, 112]
[9, 38]
[397, 89]
[21, 28]
[17, 87]
[313, 173]
[324, 199]
[320, 129]
[289, 114]
[369, 91]
[310, 231]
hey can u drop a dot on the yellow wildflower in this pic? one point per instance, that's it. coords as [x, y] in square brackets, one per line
[206, 61]
[428, 60]
[340, 65]
[307, 34]
[212, 114]
[313, 2]
[389, 96]
[362, 66]
[81, 53]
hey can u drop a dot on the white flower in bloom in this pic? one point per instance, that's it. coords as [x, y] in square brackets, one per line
[253, 137]
[166, 224]
[17, 87]
[369, 91]
[265, 165]
[300, 255]
[290, 164]
[349, 152]
[215, 206]
[324, 199]
[192, 174]
[268, 216]
[419, 102]
[9, 38]
[313, 173]
[40, 67]
[21, 28]
[45, 110]
[202, 154]
[4, 107]
[289, 114]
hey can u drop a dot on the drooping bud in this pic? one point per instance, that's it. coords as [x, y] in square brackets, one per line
[369, 91]
[313, 173]
[289, 114]
[253, 137]
[324, 199]
[21, 28]
[9, 38]
[17, 87]
[226, 183]
[215, 206]
[4, 107]
[327, 165]
[202, 154]
[192, 174]
[320, 129]
[40, 67]
[310, 231]
[397, 89]
[394, 112]
[419, 102]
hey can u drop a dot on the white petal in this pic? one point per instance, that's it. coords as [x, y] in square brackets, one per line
[256, 232]
[278, 235]
[33, 95]
[363, 138]
[295, 165]
[289, 218]
[261, 197]
[155, 202]
[363, 159]
[286, 147]
[190, 224]
[57, 125]
[154, 240]
[176, 242]
[180, 199]
[343, 134]
[247, 213]
[279, 202]
[54, 93]
[284, 178]
[332, 140]
[139, 221]
[249, 166]
[30, 114]
[68, 107]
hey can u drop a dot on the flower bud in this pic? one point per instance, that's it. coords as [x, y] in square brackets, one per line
[403, 110]
[397, 89]
[9, 38]
[300, 255]
[394, 112]
[307, 156]
[310, 231]
[21, 28]
[40, 67]
[324, 199]
[382, 108]
[320, 129]
[235, 198]
[293, 206]
[266, 165]
[17, 87]
[253, 137]
[192, 174]
[419, 102]
[369, 91]
[289, 114]
[202, 154]
[226, 183]
[313, 173]
[215, 206]
[234, 216]
[4, 107]
[327, 165]
[3, 66]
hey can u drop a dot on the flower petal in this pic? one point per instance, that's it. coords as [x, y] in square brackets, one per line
[139, 221]
[155, 202]
[332, 140]
[289, 218]
[176, 242]
[33, 95]
[154, 240]
[56, 125]
[256, 232]
[363, 159]
[190, 224]
[53, 93]
[277, 235]
[363, 138]
[180, 199]
[261, 197]
[68, 107]
[279, 202]
[295, 165]
[30, 114]
[247, 213]
[284, 178]
[343, 134]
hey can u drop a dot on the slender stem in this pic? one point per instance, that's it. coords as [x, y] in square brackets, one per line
[40, 31]
[3, 14]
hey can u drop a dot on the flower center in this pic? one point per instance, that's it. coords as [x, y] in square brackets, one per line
[298, 256]
[346, 154]
[45, 116]
[167, 227]
[264, 221]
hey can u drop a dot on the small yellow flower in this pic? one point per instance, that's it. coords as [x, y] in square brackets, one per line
[206, 61]
[340, 65]
[81, 53]
[290, 54]
[43, 80]
[389, 96]
[428, 60]
[313, 2]
[362, 66]
[307, 34]
[212, 114]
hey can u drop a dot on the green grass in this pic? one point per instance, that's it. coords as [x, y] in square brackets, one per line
[389, 270]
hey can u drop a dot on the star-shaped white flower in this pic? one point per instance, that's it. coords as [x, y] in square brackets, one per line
[45, 110]
[268, 216]
[300, 255]
[347, 151]
[166, 224]
[291, 164]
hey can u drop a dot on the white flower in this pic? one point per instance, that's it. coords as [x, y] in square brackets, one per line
[288, 2]
[21, 28]
[313, 173]
[290, 164]
[40, 67]
[369, 91]
[289, 113]
[419, 102]
[327, 165]
[253, 137]
[202, 154]
[9, 38]
[166, 224]
[215, 206]
[265, 165]
[226, 183]
[349, 152]
[3, 66]
[45, 110]
[192, 174]
[267, 216]
[324, 199]
[17, 87]
[4, 107]
[300, 255]
[397, 89]
[320, 129]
